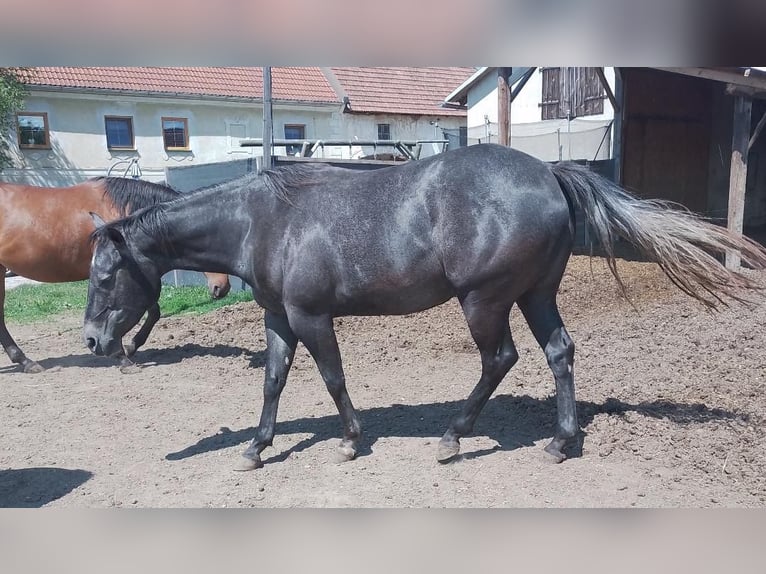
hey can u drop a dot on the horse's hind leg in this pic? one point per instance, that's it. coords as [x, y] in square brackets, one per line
[16, 355]
[543, 317]
[492, 333]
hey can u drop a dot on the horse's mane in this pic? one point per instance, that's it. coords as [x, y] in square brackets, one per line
[128, 194]
[284, 181]
[149, 220]
[281, 181]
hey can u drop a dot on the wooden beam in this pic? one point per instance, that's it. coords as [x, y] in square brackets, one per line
[738, 175]
[522, 82]
[739, 77]
[750, 92]
[608, 90]
[757, 132]
[503, 106]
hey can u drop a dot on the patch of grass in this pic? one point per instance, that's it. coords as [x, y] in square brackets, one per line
[39, 302]
[30, 303]
[178, 300]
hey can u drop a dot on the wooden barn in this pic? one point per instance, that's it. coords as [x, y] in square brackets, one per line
[691, 135]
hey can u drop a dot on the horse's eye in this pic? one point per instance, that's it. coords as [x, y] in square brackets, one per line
[103, 277]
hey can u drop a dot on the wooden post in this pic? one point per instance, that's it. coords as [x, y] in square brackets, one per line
[268, 121]
[740, 140]
[503, 106]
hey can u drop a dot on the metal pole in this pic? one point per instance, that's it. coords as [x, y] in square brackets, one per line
[268, 120]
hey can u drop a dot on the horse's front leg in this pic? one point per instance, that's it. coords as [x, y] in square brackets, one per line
[280, 350]
[11, 348]
[152, 316]
[317, 334]
[127, 366]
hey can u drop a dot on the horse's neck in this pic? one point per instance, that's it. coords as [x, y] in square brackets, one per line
[203, 233]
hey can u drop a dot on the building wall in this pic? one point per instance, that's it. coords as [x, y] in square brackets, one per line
[78, 141]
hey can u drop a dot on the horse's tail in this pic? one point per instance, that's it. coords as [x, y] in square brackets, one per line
[681, 243]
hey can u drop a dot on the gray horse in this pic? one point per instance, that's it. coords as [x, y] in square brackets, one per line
[487, 224]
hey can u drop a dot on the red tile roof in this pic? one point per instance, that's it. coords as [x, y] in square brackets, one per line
[411, 91]
[293, 84]
[419, 91]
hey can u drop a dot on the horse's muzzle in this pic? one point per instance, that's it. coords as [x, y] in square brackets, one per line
[220, 291]
[99, 344]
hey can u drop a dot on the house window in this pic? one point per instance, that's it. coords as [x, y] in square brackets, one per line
[119, 132]
[175, 133]
[571, 93]
[384, 131]
[33, 130]
[294, 132]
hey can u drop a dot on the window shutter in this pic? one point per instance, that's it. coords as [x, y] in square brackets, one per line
[551, 93]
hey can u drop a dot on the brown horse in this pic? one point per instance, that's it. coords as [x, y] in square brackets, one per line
[45, 235]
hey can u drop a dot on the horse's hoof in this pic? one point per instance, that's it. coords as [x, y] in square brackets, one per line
[344, 453]
[246, 464]
[33, 368]
[129, 349]
[554, 451]
[447, 451]
[130, 369]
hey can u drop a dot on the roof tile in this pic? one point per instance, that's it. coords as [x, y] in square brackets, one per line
[411, 91]
[294, 84]
[419, 91]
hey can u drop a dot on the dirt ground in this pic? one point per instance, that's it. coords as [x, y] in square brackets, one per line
[671, 398]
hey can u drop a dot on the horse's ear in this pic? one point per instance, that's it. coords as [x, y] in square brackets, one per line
[115, 236]
[98, 222]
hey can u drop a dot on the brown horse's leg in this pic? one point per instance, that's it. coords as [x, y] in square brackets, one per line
[488, 323]
[16, 355]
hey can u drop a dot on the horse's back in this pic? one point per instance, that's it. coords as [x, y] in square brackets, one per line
[44, 231]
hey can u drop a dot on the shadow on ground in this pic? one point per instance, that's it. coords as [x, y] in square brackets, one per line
[148, 358]
[512, 421]
[36, 487]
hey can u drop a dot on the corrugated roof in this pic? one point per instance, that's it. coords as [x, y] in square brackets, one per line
[418, 91]
[293, 84]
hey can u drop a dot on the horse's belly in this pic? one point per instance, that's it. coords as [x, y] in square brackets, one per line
[40, 256]
[394, 298]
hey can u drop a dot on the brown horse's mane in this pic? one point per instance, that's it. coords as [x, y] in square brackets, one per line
[129, 195]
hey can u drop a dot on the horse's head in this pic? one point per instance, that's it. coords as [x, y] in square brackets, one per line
[123, 285]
